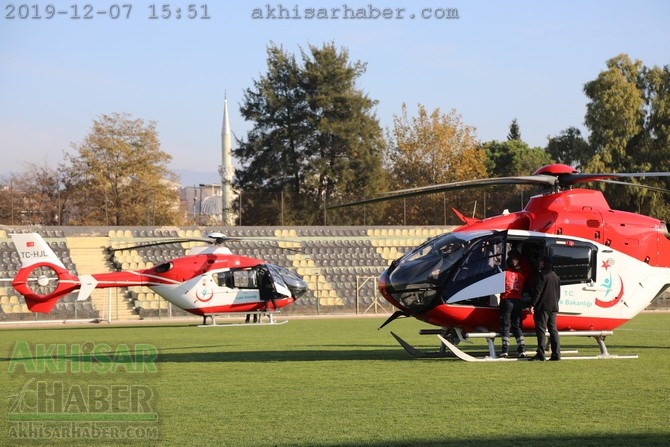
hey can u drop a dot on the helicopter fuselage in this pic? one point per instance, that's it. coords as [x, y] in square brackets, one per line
[455, 280]
[207, 281]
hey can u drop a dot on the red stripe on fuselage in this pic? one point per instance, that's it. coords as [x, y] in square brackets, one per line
[483, 319]
[240, 308]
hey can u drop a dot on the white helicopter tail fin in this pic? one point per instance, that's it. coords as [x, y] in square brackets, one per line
[33, 249]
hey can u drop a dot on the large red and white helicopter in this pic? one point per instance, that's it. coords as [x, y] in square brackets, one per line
[612, 264]
[209, 280]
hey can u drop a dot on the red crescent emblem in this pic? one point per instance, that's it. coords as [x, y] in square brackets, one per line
[204, 294]
[614, 302]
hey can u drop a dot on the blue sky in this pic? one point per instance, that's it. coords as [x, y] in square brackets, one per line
[500, 60]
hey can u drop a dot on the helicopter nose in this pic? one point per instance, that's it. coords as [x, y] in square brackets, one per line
[295, 284]
[297, 288]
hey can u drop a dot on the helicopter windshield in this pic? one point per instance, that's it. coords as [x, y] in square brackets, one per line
[415, 278]
[418, 279]
[293, 282]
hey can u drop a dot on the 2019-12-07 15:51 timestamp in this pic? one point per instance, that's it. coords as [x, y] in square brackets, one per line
[88, 11]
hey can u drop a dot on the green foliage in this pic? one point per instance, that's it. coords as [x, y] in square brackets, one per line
[342, 382]
[315, 138]
[512, 158]
[429, 149]
[570, 148]
[629, 119]
[514, 131]
[615, 113]
[118, 175]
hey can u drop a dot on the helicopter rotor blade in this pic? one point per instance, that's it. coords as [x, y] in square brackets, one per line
[542, 180]
[573, 179]
[636, 185]
[156, 244]
[217, 240]
[555, 180]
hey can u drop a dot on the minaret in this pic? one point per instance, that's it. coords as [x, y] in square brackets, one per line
[226, 169]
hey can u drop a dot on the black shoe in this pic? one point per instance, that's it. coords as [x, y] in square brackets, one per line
[537, 357]
[554, 359]
[522, 355]
[504, 354]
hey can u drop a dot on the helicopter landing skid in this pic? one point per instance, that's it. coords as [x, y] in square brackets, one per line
[258, 320]
[599, 336]
[468, 358]
[449, 349]
[442, 353]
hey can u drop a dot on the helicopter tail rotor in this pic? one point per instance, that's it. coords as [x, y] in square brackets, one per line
[43, 278]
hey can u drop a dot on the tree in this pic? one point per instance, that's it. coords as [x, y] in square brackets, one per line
[315, 139]
[655, 147]
[628, 116]
[514, 132]
[426, 150]
[512, 158]
[6, 201]
[119, 175]
[615, 114]
[345, 150]
[41, 197]
[272, 152]
[38, 196]
[570, 148]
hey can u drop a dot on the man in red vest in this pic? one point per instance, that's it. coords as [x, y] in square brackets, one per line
[511, 305]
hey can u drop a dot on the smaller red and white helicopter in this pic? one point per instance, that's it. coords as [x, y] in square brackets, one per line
[612, 264]
[208, 281]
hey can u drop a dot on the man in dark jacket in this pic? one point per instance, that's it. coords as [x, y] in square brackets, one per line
[545, 307]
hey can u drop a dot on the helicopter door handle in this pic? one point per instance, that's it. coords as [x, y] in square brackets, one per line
[594, 289]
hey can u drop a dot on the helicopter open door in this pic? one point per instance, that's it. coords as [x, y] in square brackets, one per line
[480, 274]
[275, 282]
[456, 267]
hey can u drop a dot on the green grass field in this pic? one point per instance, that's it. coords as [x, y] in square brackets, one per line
[325, 382]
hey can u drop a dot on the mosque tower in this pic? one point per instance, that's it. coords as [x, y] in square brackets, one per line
[226, 169]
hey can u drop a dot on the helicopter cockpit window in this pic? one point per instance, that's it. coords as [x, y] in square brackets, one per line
[283, 277]
[483, 259]
[419, 279]
[416, 277]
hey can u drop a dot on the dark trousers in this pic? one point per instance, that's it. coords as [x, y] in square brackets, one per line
[510, 317]
[546, 321]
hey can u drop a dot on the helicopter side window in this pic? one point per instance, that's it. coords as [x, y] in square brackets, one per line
[224, 279]
[574, 264]
[245, 279]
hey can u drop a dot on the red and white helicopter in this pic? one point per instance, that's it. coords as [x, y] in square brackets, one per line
[209, 280]
[612, 264]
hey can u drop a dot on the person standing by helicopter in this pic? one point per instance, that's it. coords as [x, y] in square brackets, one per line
[545, 308]
[511, 305]
[266, 289]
